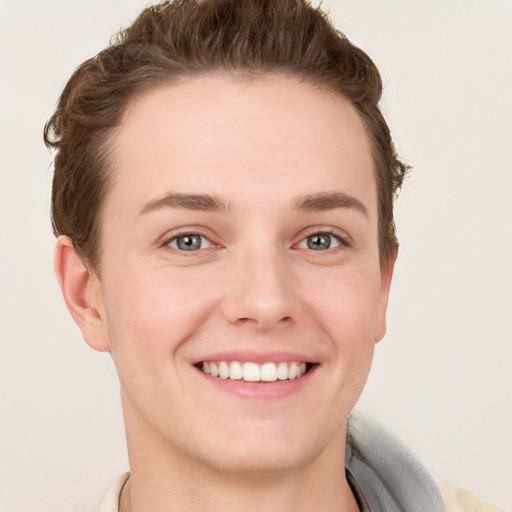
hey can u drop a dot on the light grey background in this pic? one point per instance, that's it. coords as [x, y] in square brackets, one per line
[441, 378]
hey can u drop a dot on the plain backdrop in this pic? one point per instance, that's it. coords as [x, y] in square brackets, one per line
[441, 379]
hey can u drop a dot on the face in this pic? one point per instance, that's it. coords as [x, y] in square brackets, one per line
[241, 232]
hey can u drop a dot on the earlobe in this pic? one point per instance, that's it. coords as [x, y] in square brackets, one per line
[385, 285]
[81, 290]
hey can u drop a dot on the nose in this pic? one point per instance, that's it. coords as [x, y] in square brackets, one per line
[261, 292]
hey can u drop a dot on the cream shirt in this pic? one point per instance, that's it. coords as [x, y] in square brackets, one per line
[456, 500]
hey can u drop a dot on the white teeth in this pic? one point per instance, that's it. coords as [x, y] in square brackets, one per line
[282, 371]
[223, 370]
[235, 371]
[269, 372]
[293, 371]
[253, 372]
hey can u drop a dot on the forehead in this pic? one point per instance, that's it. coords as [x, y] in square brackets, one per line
[223, 135]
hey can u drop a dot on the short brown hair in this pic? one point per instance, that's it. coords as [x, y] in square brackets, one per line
[186, 38]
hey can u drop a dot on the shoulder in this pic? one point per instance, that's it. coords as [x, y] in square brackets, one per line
[111, 501]
[460, 500]
[386, 473]
[390, 477]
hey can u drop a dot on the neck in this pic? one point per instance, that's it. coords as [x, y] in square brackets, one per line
[164, 479]
[181, 492]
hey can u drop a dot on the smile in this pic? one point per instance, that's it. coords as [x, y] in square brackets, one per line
[254, 372]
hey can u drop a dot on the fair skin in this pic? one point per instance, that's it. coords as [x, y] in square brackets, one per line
[241, 228]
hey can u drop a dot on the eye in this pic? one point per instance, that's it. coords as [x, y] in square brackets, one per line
[189, 242]
[320, 242]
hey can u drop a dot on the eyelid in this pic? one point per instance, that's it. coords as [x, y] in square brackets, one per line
[176, 238]
[173, 234]
[341, 236]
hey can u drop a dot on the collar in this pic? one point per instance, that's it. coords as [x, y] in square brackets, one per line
[385, 474]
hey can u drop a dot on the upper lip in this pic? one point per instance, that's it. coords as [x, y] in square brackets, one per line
[256, 357]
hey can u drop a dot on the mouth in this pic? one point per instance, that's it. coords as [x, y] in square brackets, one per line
[254, 372]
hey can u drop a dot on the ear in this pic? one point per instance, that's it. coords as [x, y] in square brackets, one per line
[386, 275]
[82, 293]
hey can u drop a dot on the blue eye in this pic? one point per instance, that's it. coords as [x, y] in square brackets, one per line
[320, 242]
[189, 242]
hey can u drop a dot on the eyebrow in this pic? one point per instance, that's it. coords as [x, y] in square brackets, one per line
[323, 201]
[317, 202]
[201, 202]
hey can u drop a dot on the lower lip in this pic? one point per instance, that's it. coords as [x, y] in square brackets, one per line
[260, 390]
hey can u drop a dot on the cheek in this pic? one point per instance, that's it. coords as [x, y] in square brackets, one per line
[148, 321]
[153, 312]
[346, 306]
[346, 303]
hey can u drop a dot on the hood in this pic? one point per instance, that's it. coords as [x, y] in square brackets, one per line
[387, 475]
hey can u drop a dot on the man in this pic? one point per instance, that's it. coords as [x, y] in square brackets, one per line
[223, 201]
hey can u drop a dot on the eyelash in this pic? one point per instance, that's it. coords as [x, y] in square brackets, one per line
[167, 241]
[343, 241]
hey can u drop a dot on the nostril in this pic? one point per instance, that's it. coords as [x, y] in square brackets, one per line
[265, 323]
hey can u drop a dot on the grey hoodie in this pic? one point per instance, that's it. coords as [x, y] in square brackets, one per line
[385, 476]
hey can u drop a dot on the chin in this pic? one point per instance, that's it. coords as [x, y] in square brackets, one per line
[280, 451]
[261, 461]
